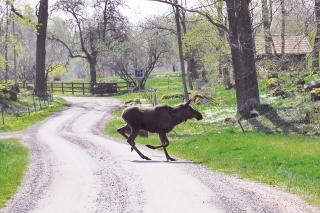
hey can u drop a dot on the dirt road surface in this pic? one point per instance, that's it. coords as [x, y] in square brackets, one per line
[75, 168]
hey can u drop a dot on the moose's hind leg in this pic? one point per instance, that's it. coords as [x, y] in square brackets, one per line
[133, 135]
[122, 130]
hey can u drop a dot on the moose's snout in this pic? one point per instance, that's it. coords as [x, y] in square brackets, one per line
[199, 116]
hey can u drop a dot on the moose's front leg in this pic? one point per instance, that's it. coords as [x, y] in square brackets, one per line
[167, 155]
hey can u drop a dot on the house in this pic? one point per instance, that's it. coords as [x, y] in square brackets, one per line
[296, 48]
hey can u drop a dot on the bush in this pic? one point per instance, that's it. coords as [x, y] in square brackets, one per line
[9, 92]
[272, 83]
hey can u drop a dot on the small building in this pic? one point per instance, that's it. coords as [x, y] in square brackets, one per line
[296, 48]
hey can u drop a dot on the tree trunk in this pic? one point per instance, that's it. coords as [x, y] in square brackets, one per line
[189, 71]
[179, 36]
[315, 53]
[188, 55]
[6, 47]
[283, 27]
[93, 73]
[192, 72]
[266, 26]
[241, 42]
[41, 49]
[221, 34]
[14, 55]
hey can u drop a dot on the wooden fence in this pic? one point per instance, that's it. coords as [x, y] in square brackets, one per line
[86, 88]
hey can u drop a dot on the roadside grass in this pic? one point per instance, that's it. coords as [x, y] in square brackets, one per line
[24, 120]
[14, 158]
[290, 162]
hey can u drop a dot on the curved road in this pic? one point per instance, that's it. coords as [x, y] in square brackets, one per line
[76, 168]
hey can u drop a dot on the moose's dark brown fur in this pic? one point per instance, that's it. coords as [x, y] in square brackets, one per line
[160, 119]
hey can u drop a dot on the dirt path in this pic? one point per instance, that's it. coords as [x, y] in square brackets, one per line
[76, 168]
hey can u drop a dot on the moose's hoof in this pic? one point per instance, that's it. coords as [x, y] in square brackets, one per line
[171, 159]
[131, 149]
[146, 158]
[150, 147]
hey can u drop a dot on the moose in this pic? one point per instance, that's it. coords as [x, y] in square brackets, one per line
[160, 119]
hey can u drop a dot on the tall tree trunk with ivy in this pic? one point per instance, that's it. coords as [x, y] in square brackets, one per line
[241, 43]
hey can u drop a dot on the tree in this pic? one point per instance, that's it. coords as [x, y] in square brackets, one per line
[242, 52]
[95, 29]
[241, 43]
[266, 20]
[315, 53]
[145, 48]
[209, 44]
[42, 14]
[283, 25]
[176, 10]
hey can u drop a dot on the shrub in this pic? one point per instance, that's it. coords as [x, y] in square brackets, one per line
[272, 83]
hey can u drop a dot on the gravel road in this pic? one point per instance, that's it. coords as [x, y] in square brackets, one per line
[76, 168]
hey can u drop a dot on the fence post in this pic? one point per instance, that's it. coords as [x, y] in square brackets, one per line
[155, 97]
[34, 105]
[101, 91]
[62, 87]
[2, 113]
[16, 114]
[28, 107]
[72, 88]
[51, 87]
[40, 104]
[51, 96]
[82, 88]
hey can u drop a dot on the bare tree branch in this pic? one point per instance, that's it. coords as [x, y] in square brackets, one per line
[206, 15]
[67, 47]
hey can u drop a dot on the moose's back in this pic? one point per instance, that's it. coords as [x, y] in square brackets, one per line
[152, 119]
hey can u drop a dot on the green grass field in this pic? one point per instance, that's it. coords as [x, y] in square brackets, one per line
[14, 159]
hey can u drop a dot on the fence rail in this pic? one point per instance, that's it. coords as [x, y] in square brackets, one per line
[85, 88]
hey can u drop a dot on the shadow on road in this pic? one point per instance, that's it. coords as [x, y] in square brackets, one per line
[158, 161]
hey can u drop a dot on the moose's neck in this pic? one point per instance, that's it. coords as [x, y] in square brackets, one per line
[178, 118]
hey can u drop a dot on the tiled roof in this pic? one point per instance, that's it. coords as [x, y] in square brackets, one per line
[294, 44]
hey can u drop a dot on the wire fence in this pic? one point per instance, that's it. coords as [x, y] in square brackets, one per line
[149, 94]
[26, 108]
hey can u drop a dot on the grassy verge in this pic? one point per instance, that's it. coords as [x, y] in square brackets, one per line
[14, 161]
[290, 162]
[13, 123]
